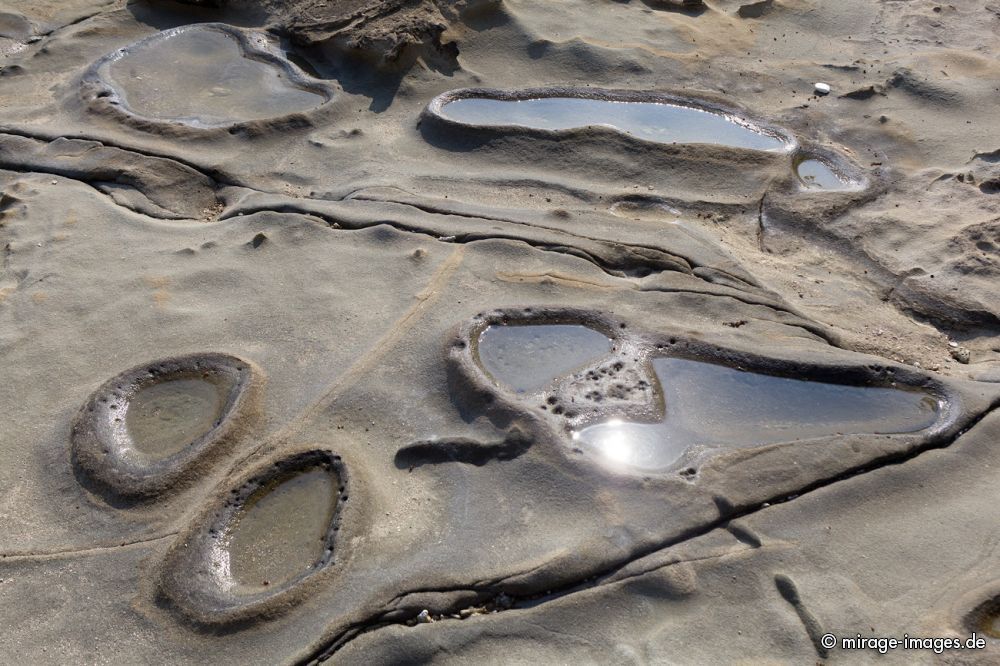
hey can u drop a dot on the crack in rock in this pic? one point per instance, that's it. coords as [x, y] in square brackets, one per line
[493, 594]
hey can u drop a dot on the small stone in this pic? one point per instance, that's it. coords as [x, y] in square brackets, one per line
[755, 9]
[961, 354]
[822, 88]
[953, 345]
[424, 617]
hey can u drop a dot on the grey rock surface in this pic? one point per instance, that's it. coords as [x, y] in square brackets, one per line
[351, 257]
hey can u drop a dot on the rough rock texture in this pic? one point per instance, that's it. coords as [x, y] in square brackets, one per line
[381, 29]
[351, 256]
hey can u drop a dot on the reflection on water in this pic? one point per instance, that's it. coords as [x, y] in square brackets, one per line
[818, 175]
[717, 406]
[280, 534]
[990, 623]
[652, 121]
[527, 358]
[202, 75]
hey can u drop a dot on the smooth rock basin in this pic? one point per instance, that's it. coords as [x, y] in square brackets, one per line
[280, 534]
[717, 406]
[818, 175]
[165, 417]
[530, 357]
[989, 623]
[143, 431]
[660, 122]
[204, 76]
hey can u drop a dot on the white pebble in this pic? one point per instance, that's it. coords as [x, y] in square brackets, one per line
[822, 88]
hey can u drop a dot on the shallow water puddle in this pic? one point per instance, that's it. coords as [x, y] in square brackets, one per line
[717, 406]
[530, 357]
[652, 121]
[281, 532]
[164, 417]
[203, 75]
[817, 175]
[990, 624]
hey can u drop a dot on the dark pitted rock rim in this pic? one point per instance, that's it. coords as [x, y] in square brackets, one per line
[186, 581]
[106, 459]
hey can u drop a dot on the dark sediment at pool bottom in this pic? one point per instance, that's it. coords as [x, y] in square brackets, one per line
[147, 430]
[165, 417]
[262, 538]
[281, 531]
[204, 77]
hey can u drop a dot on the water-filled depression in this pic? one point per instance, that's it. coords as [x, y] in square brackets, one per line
[529, 357]
[203, 75]
[717, 406]
[164, 417]
[652, 121]
[818, 175]
[280, 534]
